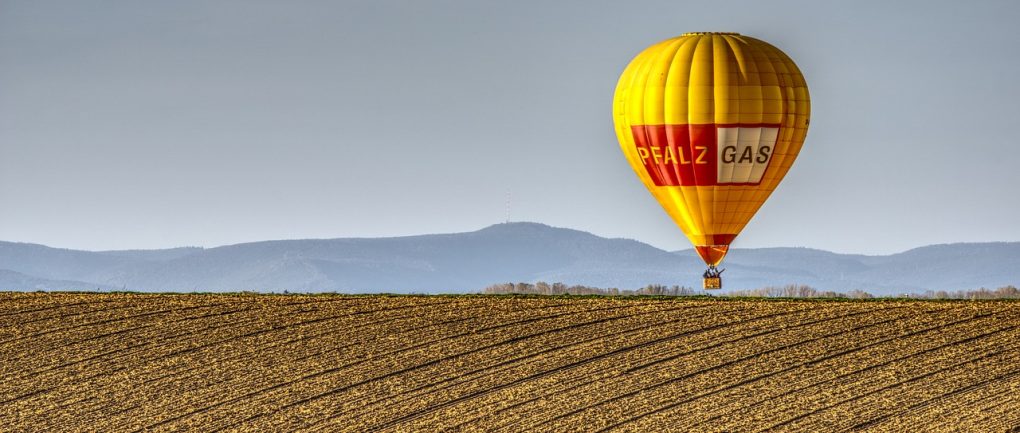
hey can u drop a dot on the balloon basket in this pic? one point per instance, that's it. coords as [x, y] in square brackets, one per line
[712, 278]
[712, 283]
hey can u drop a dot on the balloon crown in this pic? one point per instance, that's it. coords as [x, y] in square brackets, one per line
[710, 33]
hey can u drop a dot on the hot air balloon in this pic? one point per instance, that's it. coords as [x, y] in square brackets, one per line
[711, 123]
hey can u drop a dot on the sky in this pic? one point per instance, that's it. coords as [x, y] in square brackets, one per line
[151, 124]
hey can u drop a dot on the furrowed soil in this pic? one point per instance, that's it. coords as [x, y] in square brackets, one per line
[259, 363]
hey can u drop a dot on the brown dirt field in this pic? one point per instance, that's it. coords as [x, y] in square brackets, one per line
[257, 363]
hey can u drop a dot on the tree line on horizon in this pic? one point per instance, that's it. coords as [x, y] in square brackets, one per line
[788, 291]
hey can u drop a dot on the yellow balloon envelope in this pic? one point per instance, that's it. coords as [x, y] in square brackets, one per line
[711, 122]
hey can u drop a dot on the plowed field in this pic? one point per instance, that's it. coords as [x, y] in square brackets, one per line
[94, 362]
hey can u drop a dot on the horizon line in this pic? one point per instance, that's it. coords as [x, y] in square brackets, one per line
[487, 227]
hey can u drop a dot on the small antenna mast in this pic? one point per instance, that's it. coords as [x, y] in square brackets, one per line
[508, 206]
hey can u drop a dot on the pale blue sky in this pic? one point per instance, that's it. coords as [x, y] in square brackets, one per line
[144, 124]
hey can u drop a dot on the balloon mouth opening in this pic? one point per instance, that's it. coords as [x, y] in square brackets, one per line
[712, 254]
[710, 33]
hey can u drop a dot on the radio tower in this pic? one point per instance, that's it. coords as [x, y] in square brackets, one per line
[508, 206]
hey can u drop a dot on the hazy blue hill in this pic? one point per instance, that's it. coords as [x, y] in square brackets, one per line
[153, 255]
[936, 267]
[948, 266]
[517, 252]
[10, 280]
[447, 262]
[751, 268]
[58, 264]
[783, 258]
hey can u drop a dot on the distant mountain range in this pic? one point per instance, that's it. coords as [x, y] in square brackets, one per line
[515, 252]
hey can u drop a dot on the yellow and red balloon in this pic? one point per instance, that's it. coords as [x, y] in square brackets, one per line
[711, 123]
